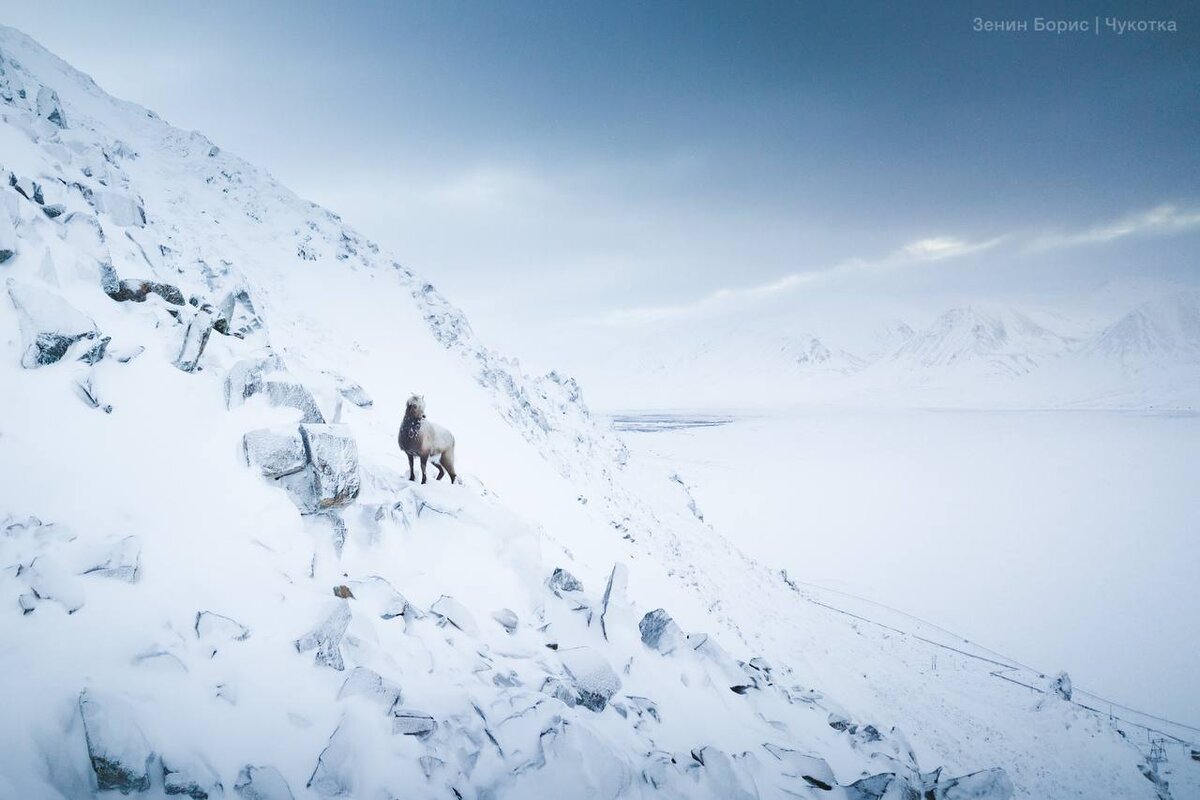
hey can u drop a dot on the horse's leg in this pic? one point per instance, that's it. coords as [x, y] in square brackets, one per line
[412, 475]
[441, 471]
[447, 461]
[424, 464]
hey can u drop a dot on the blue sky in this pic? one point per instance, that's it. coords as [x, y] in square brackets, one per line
[555, 162]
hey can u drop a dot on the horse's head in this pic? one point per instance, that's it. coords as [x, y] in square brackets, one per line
[416, 407]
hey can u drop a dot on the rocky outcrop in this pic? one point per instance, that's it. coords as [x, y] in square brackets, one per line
[49, 324]
[117, 748]
[594, 680]
[660, 633]
[326, 638]
[262, 783]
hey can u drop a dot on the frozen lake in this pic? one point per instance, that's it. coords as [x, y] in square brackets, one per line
[1065, 540]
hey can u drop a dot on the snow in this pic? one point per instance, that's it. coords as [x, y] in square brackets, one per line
[545, 485]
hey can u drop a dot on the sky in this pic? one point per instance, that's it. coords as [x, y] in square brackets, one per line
[567, 168]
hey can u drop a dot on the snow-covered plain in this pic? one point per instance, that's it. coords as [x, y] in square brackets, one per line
[215, 579]
[1064, 539]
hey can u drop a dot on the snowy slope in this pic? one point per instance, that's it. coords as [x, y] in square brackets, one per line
[217, 581]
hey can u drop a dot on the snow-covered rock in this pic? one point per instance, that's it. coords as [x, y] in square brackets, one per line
[326, 637]
[49, 324]
[659, 632]
[593, 677]
[119, 753]
[262, 783]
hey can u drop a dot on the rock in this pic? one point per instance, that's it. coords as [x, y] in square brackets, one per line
[126, 354]
[236, 315]
[190, 778]
[353, 392]
[363, 682]
[813, 770]
[117, 748]
[563, 581]
[1061, 685]
[556, 687]
[343, 592]
[409, 722]
[195, 338]
[595, 681]
[86, 390]
[49, 107]
[124, 210]
[659, 632]
[246, 376]
[989, 784]
[54, 210]
[840, 722]
[136, 290]
[326, 638]
[27, 603]
[215, 629]
[27, 188]
[614, 595]
[283, 393]
[507, 619]
[49, 324]
[885, 786]
[456, 614]
[122, 561]
[334, 775]
[727, 779]
[337, 530]
[333, 460]
[96, 352]
[381, 597]
[262, 783]
[275, 453]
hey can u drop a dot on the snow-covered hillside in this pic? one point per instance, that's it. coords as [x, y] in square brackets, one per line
[216, 580]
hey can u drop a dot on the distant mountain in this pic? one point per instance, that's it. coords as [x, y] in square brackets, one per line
[991, 339]
[1164, 332]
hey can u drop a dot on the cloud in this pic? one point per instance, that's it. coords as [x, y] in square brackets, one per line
[935, 248]
[1158, 221]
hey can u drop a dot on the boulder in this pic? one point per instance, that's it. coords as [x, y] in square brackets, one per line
[275, 453]
[49, 324]
[94, 354]
[507, 619]
[614, 595]
[246, 376]
[333, 459]
[456, 614]
[54, 210]
[884, 786]
[352, 392]
[363, 682]
[660, 633]
[85, 388]
[282, 392]
[262, 783]
[326, 638]
[334, 774]
[813, 770]
[381, 598]
[122, 561]
[236, 315]
[594, 680]
[195, 338]
[136, 290]
[117, 748]
[562, 581]
[27, 188]
[49, 107]
[410, 722]
[215, 630]
[124, 210]
[190, 778]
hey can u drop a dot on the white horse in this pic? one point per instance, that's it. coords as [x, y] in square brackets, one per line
[421, 438]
